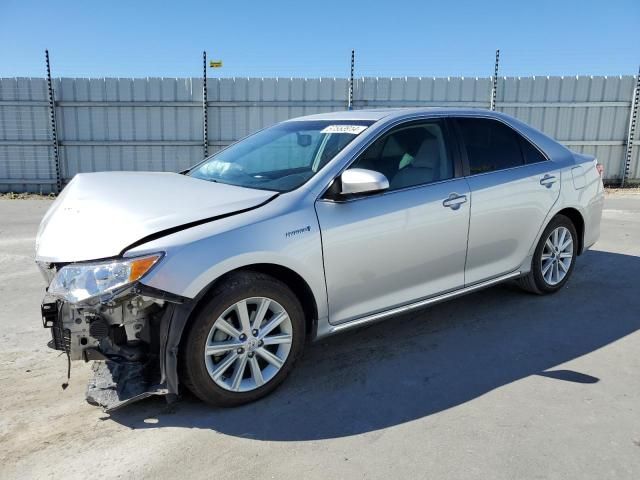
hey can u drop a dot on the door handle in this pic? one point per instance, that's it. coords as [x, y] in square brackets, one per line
[454, 201]
[547, 180]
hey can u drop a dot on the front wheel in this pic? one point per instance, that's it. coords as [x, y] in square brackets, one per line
[244, 341]
[554, 257]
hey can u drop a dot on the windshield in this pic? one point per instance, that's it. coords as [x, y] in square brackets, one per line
[281, 157]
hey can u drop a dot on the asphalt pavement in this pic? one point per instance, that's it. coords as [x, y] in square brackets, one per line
[496, 385]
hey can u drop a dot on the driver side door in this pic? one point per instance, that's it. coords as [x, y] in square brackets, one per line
[407, 243]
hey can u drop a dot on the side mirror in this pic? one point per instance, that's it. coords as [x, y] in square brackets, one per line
[360, 180]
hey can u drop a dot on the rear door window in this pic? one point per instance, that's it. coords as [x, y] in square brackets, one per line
[490, 145]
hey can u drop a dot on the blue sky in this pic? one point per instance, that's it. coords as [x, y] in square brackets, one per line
[314, 37]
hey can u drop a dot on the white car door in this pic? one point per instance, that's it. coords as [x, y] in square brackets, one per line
[404, 244]
[513, 187]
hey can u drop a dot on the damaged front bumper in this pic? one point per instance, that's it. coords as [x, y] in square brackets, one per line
[133, 335]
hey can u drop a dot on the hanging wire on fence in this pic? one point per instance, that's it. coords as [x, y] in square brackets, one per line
[494, 83]
[350, 102]
[633, 118]
[54, 130]
[205, 118]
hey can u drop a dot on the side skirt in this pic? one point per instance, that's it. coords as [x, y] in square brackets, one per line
[358, 322]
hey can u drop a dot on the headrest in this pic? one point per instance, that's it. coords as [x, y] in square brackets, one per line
[392, 148]
[428, 155]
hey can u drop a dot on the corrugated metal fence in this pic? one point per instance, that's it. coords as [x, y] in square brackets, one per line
[157, 123]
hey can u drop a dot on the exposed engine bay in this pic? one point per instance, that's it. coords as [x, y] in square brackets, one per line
[118, 329]
[125, 334]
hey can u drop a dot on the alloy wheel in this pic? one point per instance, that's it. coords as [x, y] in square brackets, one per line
[557, 255]
[248, 344]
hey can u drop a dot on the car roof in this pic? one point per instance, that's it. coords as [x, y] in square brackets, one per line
[390, 115]
[376, 114]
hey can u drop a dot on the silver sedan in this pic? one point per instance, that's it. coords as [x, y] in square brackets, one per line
[214, 279]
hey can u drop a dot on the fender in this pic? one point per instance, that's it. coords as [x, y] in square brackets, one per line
[178, 314]
[569, 198]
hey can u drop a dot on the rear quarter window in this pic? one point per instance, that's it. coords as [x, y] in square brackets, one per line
[530, 152]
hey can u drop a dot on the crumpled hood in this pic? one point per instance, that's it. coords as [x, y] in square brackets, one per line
[98, 215]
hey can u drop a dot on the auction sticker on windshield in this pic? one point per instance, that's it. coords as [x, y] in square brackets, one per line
[352, 129]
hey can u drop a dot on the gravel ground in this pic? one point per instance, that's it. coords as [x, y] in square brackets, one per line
[496, 385]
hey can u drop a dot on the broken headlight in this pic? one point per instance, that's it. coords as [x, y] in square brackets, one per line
[80, 281]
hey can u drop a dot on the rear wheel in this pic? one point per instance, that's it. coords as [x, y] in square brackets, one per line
[553, 259]
[244, 341]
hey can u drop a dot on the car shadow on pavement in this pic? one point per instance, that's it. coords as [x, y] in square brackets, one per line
[415, 365]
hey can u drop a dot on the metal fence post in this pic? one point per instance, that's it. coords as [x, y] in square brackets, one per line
[205, 123]
[350, 100]
[633, 117]
[494, 84]
[54, 129]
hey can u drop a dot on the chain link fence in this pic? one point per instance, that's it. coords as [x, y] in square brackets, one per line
[159, 123]
[26, 142]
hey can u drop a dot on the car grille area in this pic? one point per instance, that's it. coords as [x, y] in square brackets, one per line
[60, 336]
[60, 339]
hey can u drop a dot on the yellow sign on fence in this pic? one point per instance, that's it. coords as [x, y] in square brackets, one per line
[215, 63]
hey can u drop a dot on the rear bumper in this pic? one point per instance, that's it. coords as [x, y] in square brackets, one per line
[592, 220]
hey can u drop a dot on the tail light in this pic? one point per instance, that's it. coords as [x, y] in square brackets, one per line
[600, 168]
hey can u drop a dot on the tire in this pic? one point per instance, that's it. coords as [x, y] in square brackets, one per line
[547, 279]
[248, 292]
